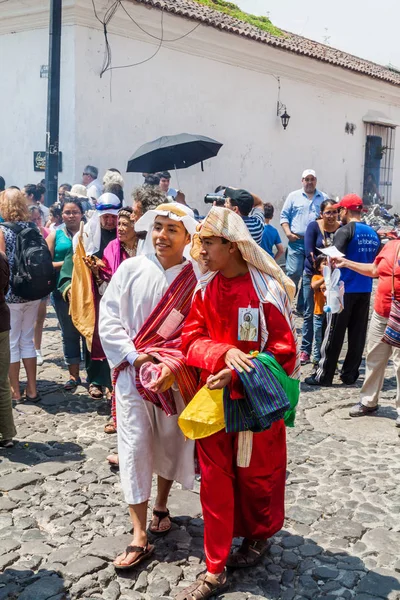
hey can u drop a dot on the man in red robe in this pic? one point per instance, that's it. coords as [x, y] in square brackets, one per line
[243, 284]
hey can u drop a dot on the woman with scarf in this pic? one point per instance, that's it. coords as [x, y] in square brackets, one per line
[124, 246]
[98, 232]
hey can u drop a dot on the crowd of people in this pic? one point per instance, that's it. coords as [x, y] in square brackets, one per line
[163, 305]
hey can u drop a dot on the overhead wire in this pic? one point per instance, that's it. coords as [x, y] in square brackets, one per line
[109, 14]
[151, 34]
[141, 62]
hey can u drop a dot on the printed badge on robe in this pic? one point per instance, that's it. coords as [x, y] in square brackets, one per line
[248, 324]
[170, 324]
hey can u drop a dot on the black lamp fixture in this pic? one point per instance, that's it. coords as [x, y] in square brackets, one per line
[281, 112]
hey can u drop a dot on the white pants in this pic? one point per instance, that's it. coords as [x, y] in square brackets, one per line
[149, 442]
[23, 318]
[378, 355]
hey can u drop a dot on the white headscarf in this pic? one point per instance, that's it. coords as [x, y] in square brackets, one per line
[172, 210]
[107, 204]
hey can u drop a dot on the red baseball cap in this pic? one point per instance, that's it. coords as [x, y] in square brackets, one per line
[351, 201]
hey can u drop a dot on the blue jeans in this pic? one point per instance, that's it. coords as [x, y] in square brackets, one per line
[71, 337]
[295, 257]
[308, 314]
[318, 335]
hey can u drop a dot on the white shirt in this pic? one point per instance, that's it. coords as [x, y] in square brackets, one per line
[132, 294]
[45, 212]
[94, 189]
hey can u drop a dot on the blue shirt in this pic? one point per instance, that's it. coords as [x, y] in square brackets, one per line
[298, 210]
[360, 243]
[255, 224]
[270, 239]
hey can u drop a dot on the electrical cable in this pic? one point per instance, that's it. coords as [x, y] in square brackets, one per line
[152, 35]
[141, 62]
[111, 11]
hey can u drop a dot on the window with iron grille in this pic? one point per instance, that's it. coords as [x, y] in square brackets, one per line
[378, 164]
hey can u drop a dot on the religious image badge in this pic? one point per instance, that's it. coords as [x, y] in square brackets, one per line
[248, 324]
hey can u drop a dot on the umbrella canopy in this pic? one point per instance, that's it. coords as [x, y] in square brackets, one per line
[172, 152]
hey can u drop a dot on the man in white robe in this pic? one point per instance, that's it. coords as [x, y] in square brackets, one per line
[149, 441]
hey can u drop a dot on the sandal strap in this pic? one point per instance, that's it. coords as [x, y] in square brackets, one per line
[203, 587]
[249, 553]
[140, 549]
[257, 546]
[161, 514]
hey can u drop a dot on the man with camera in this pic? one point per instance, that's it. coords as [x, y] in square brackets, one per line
[249, 207]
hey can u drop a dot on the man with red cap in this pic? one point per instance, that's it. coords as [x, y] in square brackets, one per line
[359, 243]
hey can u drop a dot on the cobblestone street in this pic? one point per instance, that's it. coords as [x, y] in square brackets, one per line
[62, 517]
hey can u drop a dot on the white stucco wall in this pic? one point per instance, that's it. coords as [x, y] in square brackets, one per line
[23, 104]
[212, 83]
[178, 91]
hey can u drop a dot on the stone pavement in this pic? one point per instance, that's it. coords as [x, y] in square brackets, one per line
[62, 518]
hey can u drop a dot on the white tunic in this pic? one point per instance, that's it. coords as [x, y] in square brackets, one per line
[148, 441]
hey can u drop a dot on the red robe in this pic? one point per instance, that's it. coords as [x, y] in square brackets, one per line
[236, 501]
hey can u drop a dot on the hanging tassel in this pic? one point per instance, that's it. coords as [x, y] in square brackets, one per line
[202, 166]
[245, 447]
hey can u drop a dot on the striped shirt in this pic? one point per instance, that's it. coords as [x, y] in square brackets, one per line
[255, 224]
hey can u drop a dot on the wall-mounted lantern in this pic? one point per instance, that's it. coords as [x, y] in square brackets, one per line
[282, 113]
[281, 110]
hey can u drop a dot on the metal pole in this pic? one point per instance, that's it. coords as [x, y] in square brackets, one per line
[53, 103]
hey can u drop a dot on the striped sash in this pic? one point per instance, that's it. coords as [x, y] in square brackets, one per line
[148, 341]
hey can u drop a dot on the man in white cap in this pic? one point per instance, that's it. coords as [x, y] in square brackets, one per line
[141, 318]
[300, 208]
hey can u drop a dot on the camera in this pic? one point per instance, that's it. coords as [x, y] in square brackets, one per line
[217, 198]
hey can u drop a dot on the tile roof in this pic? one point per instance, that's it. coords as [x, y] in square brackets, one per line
[289, 41]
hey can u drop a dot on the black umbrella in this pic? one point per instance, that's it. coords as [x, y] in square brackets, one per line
[172, 152]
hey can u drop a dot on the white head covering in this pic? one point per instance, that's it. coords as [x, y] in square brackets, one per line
[107, 204]
[309, 172]
[172, 210]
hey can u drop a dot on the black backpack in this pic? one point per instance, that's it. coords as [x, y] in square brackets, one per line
[33, 274]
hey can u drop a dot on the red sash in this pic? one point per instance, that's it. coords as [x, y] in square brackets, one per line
[148, 341]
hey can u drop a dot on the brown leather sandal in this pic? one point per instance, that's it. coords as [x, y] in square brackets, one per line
[95, 391]
[110, 427]
[160, 515]
[205, 586]
[249, 554]
[144, 552]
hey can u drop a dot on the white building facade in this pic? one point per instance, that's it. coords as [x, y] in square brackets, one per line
[211, 82]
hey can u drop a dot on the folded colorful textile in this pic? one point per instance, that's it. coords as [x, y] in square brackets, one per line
[265, 400]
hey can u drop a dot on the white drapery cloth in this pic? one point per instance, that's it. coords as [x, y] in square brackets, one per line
[148, 441]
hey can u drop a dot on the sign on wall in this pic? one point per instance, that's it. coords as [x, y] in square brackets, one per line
[39, 161]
